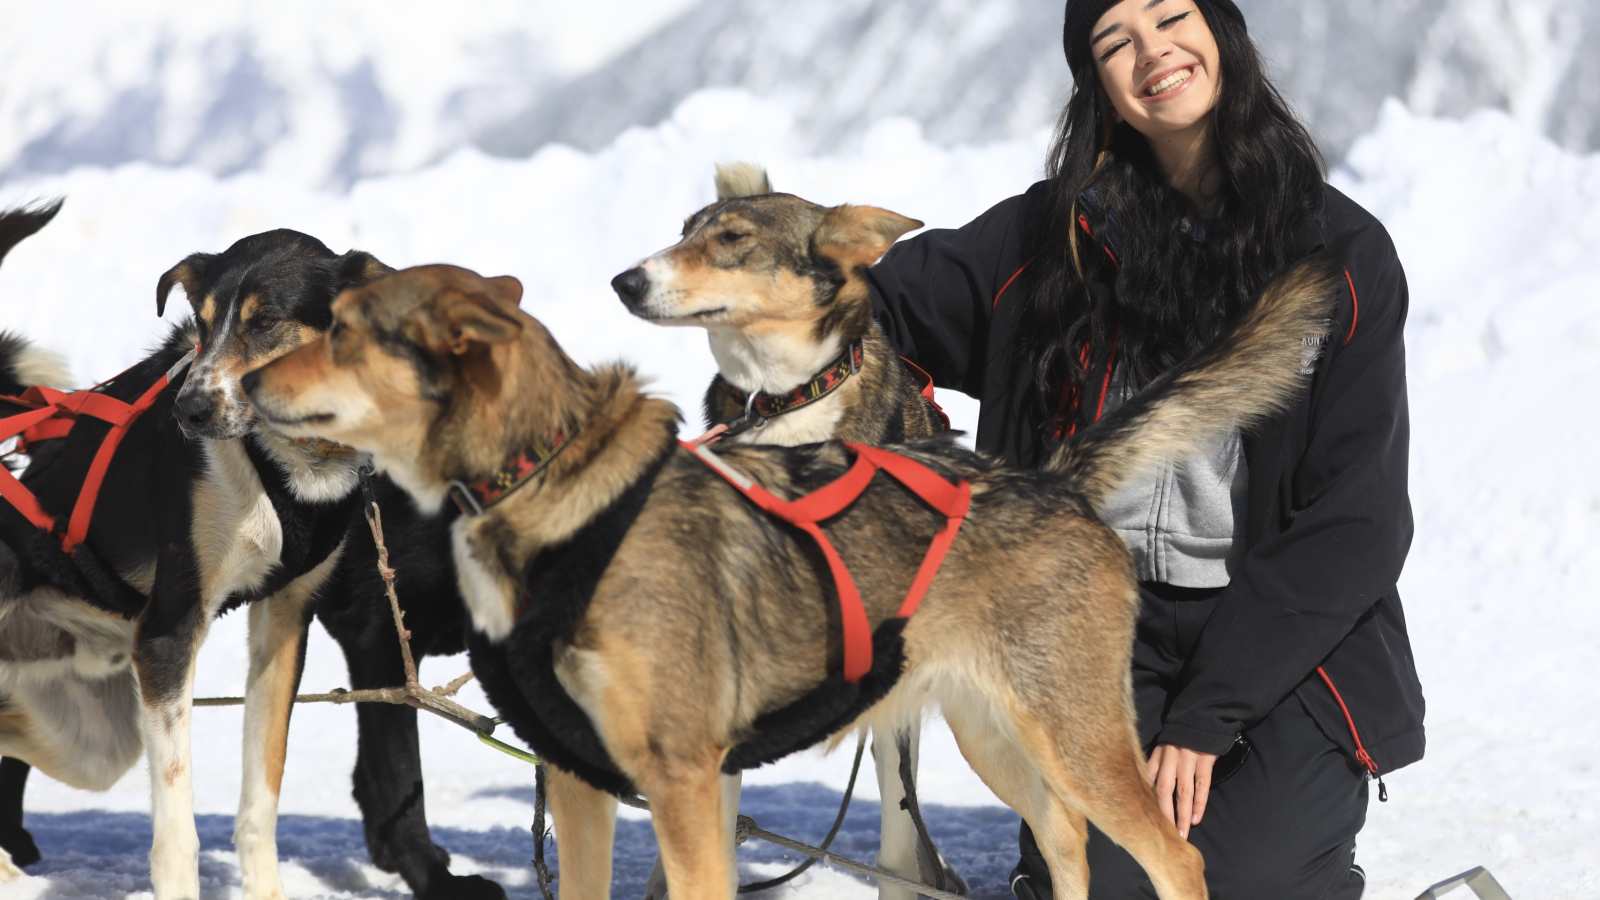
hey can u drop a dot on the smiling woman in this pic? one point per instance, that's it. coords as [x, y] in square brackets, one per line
[1272, 674]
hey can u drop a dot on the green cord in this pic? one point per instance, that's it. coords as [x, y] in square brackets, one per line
[507, 749]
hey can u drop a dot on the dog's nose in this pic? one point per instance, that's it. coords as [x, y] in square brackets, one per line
[193, 410]
[631, 285]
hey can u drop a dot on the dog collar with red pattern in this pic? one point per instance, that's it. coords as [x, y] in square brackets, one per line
[472, 499]
[761, 406]
[323, 447]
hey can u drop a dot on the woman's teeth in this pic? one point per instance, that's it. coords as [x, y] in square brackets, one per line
[1169, 82]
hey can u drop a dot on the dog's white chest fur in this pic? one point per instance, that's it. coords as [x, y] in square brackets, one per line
[483, 584]
[237, 536]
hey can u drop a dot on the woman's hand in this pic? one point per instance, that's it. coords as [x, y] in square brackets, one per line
[1185, 775]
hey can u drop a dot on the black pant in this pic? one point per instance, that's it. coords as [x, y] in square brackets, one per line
[1282, 826]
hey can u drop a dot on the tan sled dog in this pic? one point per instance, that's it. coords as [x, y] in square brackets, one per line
[645, 626]
[778, 284]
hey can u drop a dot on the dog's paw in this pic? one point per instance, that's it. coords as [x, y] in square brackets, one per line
[18, 849]
[8, 869]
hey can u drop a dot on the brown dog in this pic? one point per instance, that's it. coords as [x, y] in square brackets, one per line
[648, 627]
[779, 283]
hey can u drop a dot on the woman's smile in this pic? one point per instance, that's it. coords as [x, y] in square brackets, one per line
[1168, 83]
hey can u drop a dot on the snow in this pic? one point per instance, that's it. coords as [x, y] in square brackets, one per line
[1500, 233]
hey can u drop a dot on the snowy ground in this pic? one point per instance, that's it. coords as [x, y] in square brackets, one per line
[1500, 234]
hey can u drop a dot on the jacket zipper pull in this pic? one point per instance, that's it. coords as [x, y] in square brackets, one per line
[1383, 792]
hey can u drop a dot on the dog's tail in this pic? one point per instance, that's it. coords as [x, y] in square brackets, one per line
[1250, 372]
[19, 222]
[23, 365]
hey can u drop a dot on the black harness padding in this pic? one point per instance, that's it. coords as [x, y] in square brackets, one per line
[518, 674]
[824, 709]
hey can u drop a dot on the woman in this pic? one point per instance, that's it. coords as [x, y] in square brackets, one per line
[1272, 673]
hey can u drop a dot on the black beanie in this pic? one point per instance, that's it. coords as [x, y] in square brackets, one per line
[1081, 16]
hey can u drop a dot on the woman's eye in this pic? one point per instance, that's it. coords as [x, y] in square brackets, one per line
[1174, 19]
[1112, 49]
[729, 237]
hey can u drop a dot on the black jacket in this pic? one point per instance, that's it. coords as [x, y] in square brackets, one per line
[1312, 608]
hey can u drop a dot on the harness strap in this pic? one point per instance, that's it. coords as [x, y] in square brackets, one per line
[53, 418]
[11, 489]
[78, 525]
[833, 498]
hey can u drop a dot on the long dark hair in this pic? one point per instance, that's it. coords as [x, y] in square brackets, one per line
[1176, 287]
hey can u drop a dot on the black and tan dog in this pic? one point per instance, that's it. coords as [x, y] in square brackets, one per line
[778, 283]
[645, 626]
[204, 510]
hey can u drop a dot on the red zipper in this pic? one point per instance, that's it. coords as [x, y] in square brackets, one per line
[1362, 756]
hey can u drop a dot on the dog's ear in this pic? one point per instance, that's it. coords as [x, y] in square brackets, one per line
[855, 236]
[741, 179]
[505, 290]
[476, 319]
[358, 267]
[190, 273]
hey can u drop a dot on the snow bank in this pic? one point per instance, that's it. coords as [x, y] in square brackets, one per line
[1500, 234]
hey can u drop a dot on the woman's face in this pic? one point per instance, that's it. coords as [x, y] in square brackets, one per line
[1157, 60]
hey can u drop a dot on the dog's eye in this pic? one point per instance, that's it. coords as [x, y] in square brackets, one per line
[335, 331]
[263, 323]
[729, 237]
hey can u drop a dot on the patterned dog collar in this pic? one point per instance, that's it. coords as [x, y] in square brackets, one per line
[323, 447]
[760, 407]
[473, 499]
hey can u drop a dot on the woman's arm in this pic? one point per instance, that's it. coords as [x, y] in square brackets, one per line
[933, 293]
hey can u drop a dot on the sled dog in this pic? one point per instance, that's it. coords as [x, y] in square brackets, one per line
[203, 510]
[644, 626]
[778, 284]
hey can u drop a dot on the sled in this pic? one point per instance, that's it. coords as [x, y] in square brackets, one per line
[1478, 878]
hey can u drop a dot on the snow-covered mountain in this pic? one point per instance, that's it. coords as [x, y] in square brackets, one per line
[326, 93]
[975, 70]
[322, 92]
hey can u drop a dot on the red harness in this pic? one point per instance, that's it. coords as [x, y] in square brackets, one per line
[833, 498]
[53, 415]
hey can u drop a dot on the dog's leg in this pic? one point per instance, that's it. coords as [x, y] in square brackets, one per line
[277, 647]
[655, 888]
[165, 665]
[20, 850]
[1111, 789]
[900, 848]
[387, 779]
[585, 820]
[688, 812]
[897, 846]
[987, 733]
[1086, 753]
